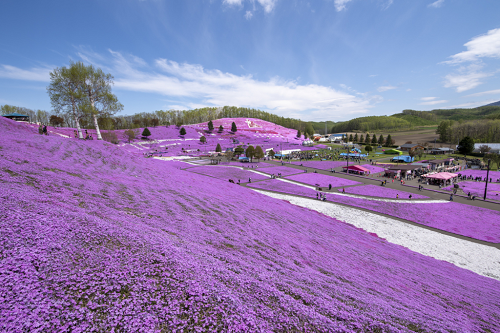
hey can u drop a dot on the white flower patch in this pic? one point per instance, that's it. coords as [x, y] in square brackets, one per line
[481, 259]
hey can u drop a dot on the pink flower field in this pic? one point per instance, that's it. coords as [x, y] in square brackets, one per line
[322, 165]
[226, 173]
[373, 168]
[95, 238]
[477, 188]
[312, 178]
[284, 170]
[475, 222]
[479, 173]
[381, 192]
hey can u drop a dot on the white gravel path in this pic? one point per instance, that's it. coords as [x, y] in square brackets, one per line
[481, 259]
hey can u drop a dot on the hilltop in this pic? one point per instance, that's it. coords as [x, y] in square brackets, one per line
[99, 239]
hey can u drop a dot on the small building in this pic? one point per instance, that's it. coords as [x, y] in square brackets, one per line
[402, 170]
[494, 147]
[17, 117]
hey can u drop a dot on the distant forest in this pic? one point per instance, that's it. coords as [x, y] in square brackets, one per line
[482, 123]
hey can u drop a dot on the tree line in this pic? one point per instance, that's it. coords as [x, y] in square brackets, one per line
[486, 131]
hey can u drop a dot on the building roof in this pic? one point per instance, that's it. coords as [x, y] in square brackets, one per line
[442, 175]
[409, 145]
[404, 167]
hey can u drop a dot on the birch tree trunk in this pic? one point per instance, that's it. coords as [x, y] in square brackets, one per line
[94, 115]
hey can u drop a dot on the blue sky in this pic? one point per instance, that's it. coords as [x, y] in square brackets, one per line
[313, 60]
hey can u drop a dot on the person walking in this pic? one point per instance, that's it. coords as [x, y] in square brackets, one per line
[249, 180]
[45, 130]
[451, 197]
[397, 196]
[410, 196]
[343, 190]
[329, 187]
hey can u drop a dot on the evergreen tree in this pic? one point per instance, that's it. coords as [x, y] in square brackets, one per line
[381, 140]
[210, 126]
[221, 129]
[146, 133]
[350, 138]
[182, 131]
[233, 127]
[389, 141]
[203, 139]
[367, 138]
[374, 139]
[271, 153]
[299, 134]
[361, 139]
[356, 137]
[250, 153]
[466, 145]
[238, 151]
[259, 153]
[218, 149]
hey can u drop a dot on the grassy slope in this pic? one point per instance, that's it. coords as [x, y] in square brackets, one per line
[94, 238]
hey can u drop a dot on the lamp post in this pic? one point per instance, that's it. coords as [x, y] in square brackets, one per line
[487, 177]
[347, 169]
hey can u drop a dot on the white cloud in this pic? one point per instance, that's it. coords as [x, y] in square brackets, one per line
[340, 4]
[483, 46]
[248, 15]
[489, 92]
[233, 2]
[467, 78]
[428, 98]
[216, 88]
[268, 5]
[436, 4]
[385, 88]
[33, 74]
[434, 102]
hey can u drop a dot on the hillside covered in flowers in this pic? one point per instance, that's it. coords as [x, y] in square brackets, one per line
[95, 238]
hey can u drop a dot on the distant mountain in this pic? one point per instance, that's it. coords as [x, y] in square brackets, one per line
[494, 104]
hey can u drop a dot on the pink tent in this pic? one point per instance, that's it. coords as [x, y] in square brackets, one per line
[357, 168]
[442, 175]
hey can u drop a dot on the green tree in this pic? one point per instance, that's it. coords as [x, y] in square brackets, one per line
[381, 140]
[466, 145]
[361, 139]
[155, 122]
[250, 152]
[203, 139]
[374, 139]
[66, 92]
[271, 153]
[389, 141]
[299, 134]
[367, 138]
[56, 121]
[444, 130]
[259, 153]
[167, 125]
[356, 137]
[238, 151]
[210, 126]
[218, 149]
[221, 129]
[182, 131]
[179, 123]
[146, 133]
[100, 100]
[233, 127]
[129, 135]
[309, 129]
[495, 158]
[350, 138]
[368, 148]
